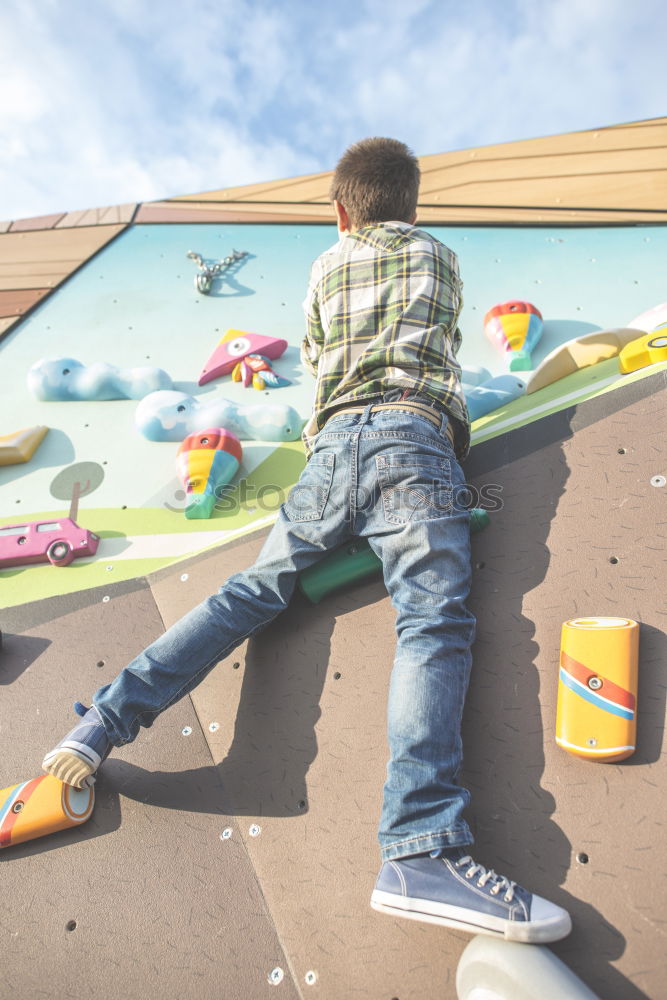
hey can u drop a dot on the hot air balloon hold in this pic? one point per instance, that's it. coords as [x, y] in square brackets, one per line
[206, 461]
[515, 328]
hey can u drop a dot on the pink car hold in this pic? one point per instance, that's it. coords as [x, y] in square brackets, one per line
[58, 542]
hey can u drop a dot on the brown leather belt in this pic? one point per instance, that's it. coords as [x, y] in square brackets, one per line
[419, 408]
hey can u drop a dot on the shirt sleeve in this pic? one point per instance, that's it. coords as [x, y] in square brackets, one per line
[311, 347]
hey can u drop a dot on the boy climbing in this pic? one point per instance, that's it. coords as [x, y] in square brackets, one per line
[388, 428]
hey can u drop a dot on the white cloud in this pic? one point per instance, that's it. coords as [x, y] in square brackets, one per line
[130, 100]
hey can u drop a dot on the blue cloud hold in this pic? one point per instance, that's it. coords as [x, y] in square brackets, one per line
[171, 416]
[489, 396]
[65, 379]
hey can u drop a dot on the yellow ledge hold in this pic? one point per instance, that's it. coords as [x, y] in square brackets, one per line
[644, 351]
[21, 445]
[579, 353]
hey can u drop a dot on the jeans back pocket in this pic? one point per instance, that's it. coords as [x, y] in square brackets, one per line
[415, 486]
[308, 497]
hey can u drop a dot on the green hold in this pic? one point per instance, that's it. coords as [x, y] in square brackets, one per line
[201, 506]
[355, 561]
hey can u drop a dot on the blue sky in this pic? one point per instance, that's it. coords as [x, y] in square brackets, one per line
[131, 100]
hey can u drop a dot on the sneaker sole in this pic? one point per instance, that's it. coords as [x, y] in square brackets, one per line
[80, 750]
[430, 912]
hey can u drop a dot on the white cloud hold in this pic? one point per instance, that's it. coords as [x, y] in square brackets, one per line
[126, 100]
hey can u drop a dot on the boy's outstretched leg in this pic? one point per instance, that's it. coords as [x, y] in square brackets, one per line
[428, 872]
[308, 524]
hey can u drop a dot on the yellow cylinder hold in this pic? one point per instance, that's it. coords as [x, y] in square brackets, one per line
[596, 716]
[40, 806]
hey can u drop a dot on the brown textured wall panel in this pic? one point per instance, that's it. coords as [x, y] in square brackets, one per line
[163, 905]
[295, 723]
[301, 752]
[46, 257]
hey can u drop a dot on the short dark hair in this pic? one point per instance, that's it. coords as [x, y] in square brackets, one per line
[377, 180]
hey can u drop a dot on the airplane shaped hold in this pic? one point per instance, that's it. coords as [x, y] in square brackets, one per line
[236, 345]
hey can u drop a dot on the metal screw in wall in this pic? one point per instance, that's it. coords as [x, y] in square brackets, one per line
[186, 731]
[255, 830]
[226, 833]
[214, 726]
[658, 481]
[276, 976]
[311, 977]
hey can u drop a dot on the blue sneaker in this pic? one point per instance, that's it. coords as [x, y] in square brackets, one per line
[448, 887]
[76, 758]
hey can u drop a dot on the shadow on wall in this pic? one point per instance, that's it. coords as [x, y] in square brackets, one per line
[55, 452]
[503, 731]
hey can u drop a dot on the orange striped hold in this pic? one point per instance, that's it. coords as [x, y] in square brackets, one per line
[40, 806]
[597, 688]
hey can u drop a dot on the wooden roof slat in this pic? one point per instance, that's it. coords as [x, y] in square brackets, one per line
[108, 215]
[55, 253]
[14, 302]
[161, 212]
[6, 322]
[37, 222]
[545, 169]
[620, 166]
[282, 190]
[244, 212]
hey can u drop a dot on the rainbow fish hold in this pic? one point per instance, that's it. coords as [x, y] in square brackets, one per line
[205, 462]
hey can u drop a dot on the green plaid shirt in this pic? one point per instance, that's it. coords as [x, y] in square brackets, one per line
[382, 310]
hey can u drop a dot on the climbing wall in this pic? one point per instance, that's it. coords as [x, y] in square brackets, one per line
[234, 844]
[232, 850]
[134, 304]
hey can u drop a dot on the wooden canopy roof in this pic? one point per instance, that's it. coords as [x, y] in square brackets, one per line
[607, 176]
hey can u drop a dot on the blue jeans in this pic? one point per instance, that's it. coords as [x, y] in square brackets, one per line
[391, 477]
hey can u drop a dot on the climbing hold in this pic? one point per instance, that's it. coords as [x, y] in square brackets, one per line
[643, 351]
[597, 688]
[21, 445]
[236, 345]
[582, 352]
[515, 327]
[498, 391]
[255, 370]
[65, 379]
[41, 806]
[206, 462]
[494, 969]
[171, 416]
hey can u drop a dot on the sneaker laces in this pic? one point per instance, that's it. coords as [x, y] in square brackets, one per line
[487, 875]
